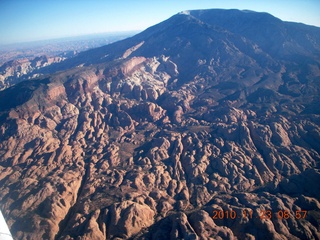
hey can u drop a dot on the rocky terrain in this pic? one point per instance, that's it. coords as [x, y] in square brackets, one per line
[193, 129]
[19, 62]
[15, 71]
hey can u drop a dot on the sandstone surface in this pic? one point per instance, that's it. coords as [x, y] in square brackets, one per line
[155, 144]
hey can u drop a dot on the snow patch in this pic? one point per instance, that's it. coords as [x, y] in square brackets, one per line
[186, 12]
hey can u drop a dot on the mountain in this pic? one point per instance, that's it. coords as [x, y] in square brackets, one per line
[19, 62]
[13, 71]
[203, 126]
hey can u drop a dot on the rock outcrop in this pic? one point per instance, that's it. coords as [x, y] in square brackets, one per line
[182, 143]
[15, 71]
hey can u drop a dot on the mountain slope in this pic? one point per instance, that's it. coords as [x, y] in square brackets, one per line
[275, 37]
[153, 136]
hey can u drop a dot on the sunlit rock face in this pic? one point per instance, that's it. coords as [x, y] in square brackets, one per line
[15, 71]
[193, 129]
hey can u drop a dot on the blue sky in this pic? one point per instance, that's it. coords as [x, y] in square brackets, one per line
[30, 20]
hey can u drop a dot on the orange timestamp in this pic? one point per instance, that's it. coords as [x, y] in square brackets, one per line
[262, 214]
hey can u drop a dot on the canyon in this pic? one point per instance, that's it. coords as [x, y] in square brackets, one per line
[166, 133]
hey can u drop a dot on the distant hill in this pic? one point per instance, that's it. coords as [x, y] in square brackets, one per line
[19, 61]
[204, 126]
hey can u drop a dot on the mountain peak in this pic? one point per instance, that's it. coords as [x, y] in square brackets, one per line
[154, 137]
[191, 31]
[185, 12]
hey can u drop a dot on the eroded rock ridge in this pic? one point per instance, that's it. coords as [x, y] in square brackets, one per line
[188, 118]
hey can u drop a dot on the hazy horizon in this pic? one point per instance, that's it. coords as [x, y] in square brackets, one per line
[35, 20]
[66, 39]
